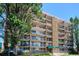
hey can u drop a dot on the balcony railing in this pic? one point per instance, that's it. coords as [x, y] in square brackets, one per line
[43, 34]
[49, 39]
[34, 45]
[61, 37]
[61, 28]
[49, 30]
[61, 47]
[24, 39]
[67, 31]
[49, 35]
[49, 24]
[24, 44]
[42, 45]
[38, 28]
[61, 42]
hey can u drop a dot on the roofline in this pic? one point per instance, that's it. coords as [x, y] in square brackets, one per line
[54, 16]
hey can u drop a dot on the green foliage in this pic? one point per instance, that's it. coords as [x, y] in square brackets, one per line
[25, 53]
[1, 9]
[75, 31]
[17, 27]
[19, 20]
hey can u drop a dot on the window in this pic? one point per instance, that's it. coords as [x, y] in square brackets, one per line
[32, 43]
[25, 43]
[24, 48]
[33, 31]
[35, 44]
[49, 39]
[49, 44]
[42, 38]
[43, 44]
[33, 37]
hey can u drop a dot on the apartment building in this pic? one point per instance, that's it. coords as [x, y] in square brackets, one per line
[49, 34]
[61, 34]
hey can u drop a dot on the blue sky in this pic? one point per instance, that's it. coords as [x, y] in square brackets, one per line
[62, 10]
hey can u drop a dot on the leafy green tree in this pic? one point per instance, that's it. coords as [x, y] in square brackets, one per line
[19, 20]
[75, 33]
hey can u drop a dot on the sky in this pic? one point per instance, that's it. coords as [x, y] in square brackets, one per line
[62, 10]
[1, 30]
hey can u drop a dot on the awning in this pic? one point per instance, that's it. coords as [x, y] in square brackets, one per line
[53, 47]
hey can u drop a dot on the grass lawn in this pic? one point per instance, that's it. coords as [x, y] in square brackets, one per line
[47, 54]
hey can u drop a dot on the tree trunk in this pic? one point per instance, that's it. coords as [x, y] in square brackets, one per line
[6, 28]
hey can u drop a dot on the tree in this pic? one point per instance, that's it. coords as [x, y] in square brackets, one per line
[75, 33]
[19, 20]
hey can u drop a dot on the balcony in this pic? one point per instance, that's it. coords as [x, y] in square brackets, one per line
[35, 44]
[49, 30]
[24, 49]
[61, 41]
[49, 24]
[25, 44]
[38, 38]
[42, 45]
[25, 38]
[61, 35]
[49, 40]
[49, 21]
[61, 46]
[33, 32]
[61, 28]
[67, 31]
[41, 33]
[38, 33]
[42, 26]
[35, 21]
[48, 18]
[43, 21]
[49, 44]
[49, 35]
[35, 38]
[43, 39]
[38, 29]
